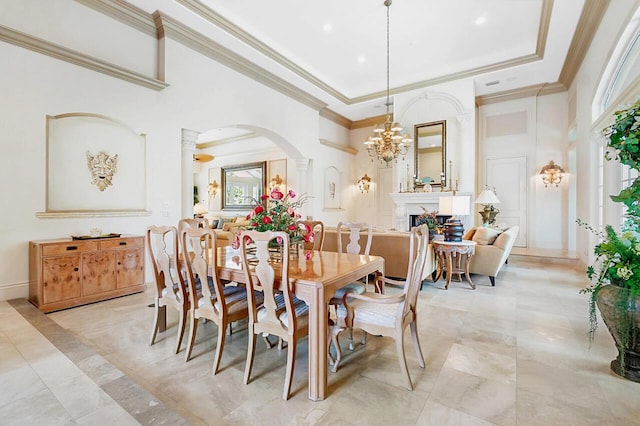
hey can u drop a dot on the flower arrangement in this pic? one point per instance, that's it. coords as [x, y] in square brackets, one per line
[430, 218]
[277, 212]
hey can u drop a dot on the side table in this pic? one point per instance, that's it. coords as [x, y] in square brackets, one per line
[445, 252]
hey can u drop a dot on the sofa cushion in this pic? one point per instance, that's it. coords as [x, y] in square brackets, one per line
[485, 235]
[225, 219]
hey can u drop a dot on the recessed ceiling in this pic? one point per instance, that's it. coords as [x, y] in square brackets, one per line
[335, 50]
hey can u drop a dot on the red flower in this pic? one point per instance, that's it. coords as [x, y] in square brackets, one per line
[266, 220]
[276, 194]
[291, 212]
[236, 243]
[258, 209]
[264, 197]
[292, 227]
[292, 194]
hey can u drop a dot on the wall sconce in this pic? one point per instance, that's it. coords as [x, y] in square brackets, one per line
[275, 182]
[364, 183]
[212, 188]
[552, 174]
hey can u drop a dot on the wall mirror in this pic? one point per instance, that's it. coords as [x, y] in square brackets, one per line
[431, 152]
[242, 184]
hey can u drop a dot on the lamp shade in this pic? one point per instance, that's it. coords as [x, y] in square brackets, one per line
[487, 197]
[199, 208]
[455, 206]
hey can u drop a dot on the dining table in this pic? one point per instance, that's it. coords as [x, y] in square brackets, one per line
[315, 276]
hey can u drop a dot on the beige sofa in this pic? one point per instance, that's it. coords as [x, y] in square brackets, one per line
[226, 233]
[393, 246]
[492, 251]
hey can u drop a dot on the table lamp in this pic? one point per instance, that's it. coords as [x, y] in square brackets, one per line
[458, 205]
[488, 198]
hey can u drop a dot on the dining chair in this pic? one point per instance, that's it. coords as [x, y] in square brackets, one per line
[353, 247]
[281, 314]
[162, 243]
[390, 314]
[199, 222]
[318, 240]
[209, 298]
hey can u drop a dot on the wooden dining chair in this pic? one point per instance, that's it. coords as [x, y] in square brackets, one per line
[318, 240]
[209, 298]
[281, 314]
[199, 222]
[389, 315]
[162, 244]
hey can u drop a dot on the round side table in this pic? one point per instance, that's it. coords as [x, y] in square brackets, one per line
[446, 251]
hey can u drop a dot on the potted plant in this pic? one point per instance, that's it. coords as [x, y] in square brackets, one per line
[615, 274]
[431, 219]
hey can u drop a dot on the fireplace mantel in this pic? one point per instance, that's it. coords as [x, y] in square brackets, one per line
[410, 203]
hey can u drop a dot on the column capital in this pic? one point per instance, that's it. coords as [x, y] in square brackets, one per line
[189, 138]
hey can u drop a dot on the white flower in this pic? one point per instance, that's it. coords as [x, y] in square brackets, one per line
[624, 273]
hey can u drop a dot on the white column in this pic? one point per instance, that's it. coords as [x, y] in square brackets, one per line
[189, 138]
[302, 177]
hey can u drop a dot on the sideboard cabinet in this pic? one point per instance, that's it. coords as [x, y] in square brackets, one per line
[64, 273]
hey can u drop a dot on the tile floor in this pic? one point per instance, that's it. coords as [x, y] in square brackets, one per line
[514, 354]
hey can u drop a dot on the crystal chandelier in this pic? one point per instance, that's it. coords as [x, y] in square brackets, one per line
[387, 142]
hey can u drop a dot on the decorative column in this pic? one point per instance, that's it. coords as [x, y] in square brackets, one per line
[302, 177]
[189, 138]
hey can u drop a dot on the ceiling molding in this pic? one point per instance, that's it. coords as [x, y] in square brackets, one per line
[124, 12]
[522, 92]
[334, 145]
[65, 54]
[335, 117]
[213, 17]
[218, 142]
[590, 18]
[198, 42]
[368, 122]
[543, 27]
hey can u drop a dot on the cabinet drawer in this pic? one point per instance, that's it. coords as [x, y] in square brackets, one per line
[121, 242]
[71, 247]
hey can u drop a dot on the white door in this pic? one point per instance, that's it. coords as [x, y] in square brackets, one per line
[509, 177]
[385, 206]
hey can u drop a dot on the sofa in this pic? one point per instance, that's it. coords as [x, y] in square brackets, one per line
[492, 251]
[226, 228]
[392, 245]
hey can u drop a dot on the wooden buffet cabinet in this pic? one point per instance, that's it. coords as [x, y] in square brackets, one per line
[64, 272]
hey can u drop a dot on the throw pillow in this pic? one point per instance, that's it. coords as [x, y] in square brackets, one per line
[485, 236]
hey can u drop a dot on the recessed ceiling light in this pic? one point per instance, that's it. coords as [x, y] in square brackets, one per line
[361, 59]
[327, 27]
[480, 20]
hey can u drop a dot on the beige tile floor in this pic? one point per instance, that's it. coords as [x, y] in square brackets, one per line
[516, 353]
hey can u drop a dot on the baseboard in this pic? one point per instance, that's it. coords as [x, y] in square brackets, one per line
[14, 291]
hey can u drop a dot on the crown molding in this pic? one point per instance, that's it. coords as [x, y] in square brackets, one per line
[124, 12]
[522, 92]
[590, 18]
[368, 122]
[334, 145]
[53, 50]
[218, 142]
[196, 41]
[335, 117]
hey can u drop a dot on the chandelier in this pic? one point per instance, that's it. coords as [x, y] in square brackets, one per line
[387, 142]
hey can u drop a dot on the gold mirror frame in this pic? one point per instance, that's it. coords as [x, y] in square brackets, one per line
[430, 130]
[248, 181]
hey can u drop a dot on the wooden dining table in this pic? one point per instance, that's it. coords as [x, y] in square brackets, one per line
[315, 279]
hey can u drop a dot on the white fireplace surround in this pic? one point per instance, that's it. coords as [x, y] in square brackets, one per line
[411, 203]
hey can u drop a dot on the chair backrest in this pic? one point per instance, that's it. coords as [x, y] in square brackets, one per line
[162, 243]
[419, 242]
[199, 256]
[318, 240]
[263, 278]
[200, 222]
[354, 237]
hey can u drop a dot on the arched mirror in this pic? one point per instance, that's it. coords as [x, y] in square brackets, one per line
[431, 152]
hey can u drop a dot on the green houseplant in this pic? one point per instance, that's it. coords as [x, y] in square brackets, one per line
[615, 274]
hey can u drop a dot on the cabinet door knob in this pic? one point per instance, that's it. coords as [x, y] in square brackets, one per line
[76, 269]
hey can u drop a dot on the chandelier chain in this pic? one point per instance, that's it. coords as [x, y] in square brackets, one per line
[388, 3]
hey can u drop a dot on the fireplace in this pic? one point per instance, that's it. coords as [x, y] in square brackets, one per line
[413, 219]
[409, 204]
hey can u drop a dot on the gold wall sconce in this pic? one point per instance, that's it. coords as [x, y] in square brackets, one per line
[212, 188]
[364, 183]
[276, 182]
[552, 174]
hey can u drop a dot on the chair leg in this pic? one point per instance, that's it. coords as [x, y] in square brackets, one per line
[219, 348]
[493, 281]
[250, 352]
[267, 341]
[230, 329]
[416, 343]
[350, 338]
[192, 337]
[291, 363]
[154, 330]
[335, 334]
[182, 324]
[402, 360]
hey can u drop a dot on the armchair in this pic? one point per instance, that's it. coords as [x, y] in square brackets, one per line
[489, 255]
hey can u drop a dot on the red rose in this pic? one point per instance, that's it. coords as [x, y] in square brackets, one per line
[264, 197]
[292, 227]
[292, 194]
[276, 194]
[258, 209]
[266, 220]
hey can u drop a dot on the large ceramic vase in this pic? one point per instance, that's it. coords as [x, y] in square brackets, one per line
[610, 299]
